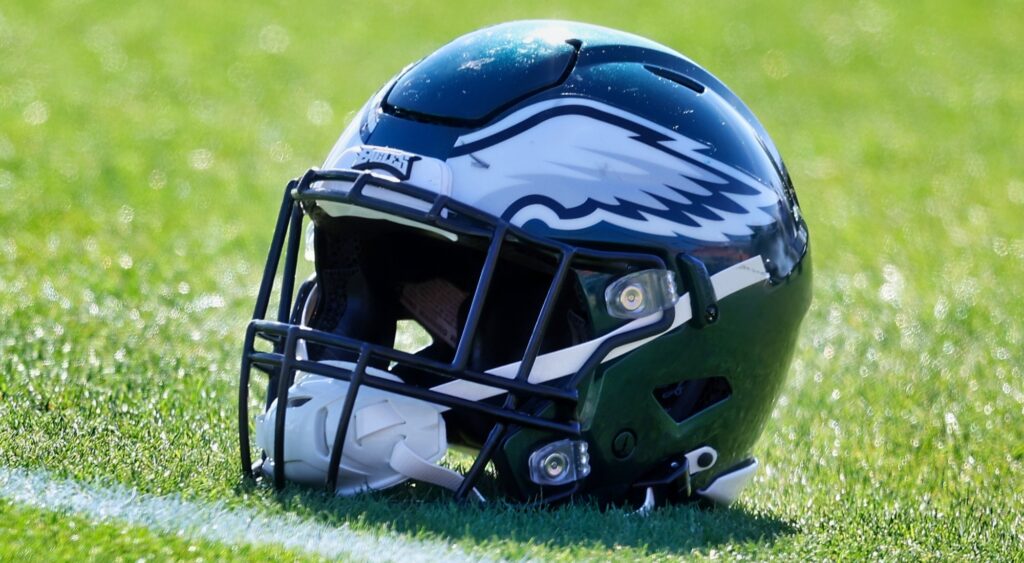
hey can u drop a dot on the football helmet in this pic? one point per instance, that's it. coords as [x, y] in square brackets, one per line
[601, 247]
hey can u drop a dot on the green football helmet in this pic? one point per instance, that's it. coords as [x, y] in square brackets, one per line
[602, 251]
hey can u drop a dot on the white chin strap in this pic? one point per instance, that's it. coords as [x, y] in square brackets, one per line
[391, 438]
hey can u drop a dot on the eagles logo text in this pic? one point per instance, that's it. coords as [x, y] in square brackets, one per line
[398, 164]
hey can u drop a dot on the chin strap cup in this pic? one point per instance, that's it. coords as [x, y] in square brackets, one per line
[391, 438]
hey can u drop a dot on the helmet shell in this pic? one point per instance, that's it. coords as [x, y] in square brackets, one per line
[604, 139]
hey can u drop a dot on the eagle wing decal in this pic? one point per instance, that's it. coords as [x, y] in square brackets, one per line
[572, 164]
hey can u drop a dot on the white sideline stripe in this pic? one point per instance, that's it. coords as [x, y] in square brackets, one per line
[213, 522]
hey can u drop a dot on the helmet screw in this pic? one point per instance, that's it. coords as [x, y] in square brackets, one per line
[555, 464]
[632, 297]
[624, 444]
[711, 314]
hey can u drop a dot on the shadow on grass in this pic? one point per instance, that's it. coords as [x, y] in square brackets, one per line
[671, 530]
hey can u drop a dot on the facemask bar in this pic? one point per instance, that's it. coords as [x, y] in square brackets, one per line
[449, 215]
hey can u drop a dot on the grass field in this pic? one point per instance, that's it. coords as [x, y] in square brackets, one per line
[143, 149]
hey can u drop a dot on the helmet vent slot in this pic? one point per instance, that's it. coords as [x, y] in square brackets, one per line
[676, 77]
[320, 440]
[295, 402]
[685, 399]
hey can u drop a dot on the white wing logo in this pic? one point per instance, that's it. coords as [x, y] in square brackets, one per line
[572, 164]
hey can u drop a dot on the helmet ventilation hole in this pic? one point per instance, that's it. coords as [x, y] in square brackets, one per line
[688, 398]
[294, 402]
[676, 77]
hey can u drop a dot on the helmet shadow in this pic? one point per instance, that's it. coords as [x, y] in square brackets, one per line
[672, 530]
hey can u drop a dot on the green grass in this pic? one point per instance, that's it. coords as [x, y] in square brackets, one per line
[144, 147]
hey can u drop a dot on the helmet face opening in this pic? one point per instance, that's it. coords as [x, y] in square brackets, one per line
[374, 273]
[609, 294]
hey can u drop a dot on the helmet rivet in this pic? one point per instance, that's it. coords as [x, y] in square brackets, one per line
[632, 297]
[559, 463]
[624, 443]
[555, 464]
[711, 314]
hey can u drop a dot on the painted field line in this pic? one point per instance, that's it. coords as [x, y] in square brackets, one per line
[214, 521]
